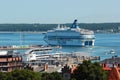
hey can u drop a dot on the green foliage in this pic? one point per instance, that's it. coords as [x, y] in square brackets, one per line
[29, 75]
[45, 27]
[26, 27]
[52, 76]
[25, 75]
[20, 75]
[3, 76]
[89, 71]
[73, 79]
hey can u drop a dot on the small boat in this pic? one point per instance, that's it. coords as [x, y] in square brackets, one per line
[112, 51]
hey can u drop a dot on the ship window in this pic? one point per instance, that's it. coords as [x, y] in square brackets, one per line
[90, 42]
[86, 42]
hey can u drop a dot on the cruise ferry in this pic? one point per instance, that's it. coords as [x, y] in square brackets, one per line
[70, 36]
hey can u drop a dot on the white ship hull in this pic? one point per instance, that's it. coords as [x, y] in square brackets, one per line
[72, 42]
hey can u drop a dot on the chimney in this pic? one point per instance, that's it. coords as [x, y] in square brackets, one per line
[46, 67]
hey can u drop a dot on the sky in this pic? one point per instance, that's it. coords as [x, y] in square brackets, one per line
[59, 11]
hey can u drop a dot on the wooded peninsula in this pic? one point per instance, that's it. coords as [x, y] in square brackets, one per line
[96, 27]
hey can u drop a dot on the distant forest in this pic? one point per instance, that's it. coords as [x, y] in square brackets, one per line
[96, 27]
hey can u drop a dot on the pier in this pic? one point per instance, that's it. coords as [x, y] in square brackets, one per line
[25, 47]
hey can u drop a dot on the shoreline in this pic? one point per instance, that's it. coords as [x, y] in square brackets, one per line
[41, 32]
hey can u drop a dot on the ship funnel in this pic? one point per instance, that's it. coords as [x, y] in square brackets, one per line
[74, 25]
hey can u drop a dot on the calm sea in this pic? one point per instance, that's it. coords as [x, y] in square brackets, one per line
[104, 42]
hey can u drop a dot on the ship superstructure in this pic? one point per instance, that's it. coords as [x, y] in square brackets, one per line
[73, 36]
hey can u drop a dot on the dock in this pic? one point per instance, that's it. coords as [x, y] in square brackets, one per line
[25, 47]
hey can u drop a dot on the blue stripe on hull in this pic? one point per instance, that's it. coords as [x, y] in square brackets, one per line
[69, 45]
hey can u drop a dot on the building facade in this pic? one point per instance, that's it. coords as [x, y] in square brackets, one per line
[9, 62]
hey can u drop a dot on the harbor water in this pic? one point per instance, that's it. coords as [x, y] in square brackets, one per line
[104, 43]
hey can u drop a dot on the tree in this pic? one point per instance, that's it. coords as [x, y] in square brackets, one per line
[3, 76]
[52, 76]
[29, 75]
[89, 71]
[23, 75]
